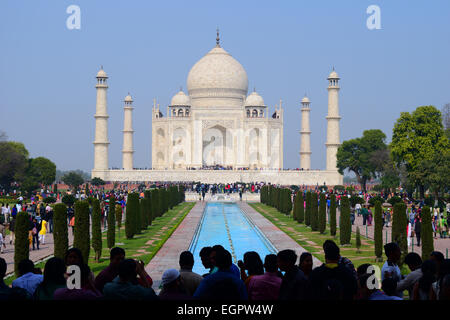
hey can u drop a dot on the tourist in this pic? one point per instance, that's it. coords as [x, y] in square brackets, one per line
[212, 257]
[444, 271]
[332, 280]
[418, 228]
[414, 262]
[43, 231]
[7, 293]
[223, 284]
[342, 260]
[390, 289]
[437, 257]
[306, 263]
[54, 279]
[86, 292]
[388, 217]
[191, 280]
[172, 286]
[116, 256]
[12, 223]
[205, 254]
[390, 268]
[74, 257]
[27, 279]
[365, 214]
[372, 293]
[125, 286]
[293, 283]
[35, 228]
[266, 286]
[253, 264]
[422, 287]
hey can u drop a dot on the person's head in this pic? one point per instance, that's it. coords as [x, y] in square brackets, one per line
[437, 257]
[253, 263]
[205, 253]
[286, 259]
[127, 270]
[171, 279]
[3, 267]
[73, 257]
[25, 266]
[428, 275]
[270, 263]
[413, 260]
[54, 271]
[223, 260]
[306, 262]
[332, 252]
[364, 291]
[85, 274]
[392, 251]
[389, 286]
[212, 255]
[116, 256]
[186, 260]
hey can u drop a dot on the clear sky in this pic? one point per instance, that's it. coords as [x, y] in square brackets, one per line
[47, 72]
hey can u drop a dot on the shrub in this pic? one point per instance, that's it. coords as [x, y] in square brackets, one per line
[394, 200]
[21, 243]
[356, 199]
[399, 224]
[96, 229]
[131, 213]
[155, 203]
[143, 213]
[375, 199]
[118, 218]
[60, 231]
[148, 195]
[301, 208]
[333, 215]
[81, 239]
[378, 231]
[322, 213]
[111, 233]
[338, 188]
[358, 240]
[345, 226]
[314, 212]
[427, 233]
[68, 200]
[49, 200]
[308, 209]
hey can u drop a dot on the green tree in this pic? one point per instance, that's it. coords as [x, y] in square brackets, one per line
[399, 224]
[97, 182]
[416, 137]
[378, 232]
[358, 240]
[427, 233]
[21, 242]
[333, 215]
[81, 238]
[322, 213]
[45, 170]
[296, 205]
[118, 219]
[60, 231]
[301, 208]
[155, 203]
[148, 195]
[111, 233]
[314, 212]
[143, 209]
[73, 179]
[308, 209]
[96, 229]
[131, 214]
[345, 226]
[355, 155]
[68, 200]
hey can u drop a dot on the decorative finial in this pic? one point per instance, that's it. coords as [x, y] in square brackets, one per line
[218, 39]
[101, 67]
[254, 89]
[333, 68]
[128, 92]
[181, 88]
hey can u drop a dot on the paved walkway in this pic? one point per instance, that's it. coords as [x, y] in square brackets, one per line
[45, 250]
[278, 238]
[169, 254]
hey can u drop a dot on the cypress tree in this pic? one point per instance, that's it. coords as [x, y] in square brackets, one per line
[296, 205]
[301, 208]
[60, 231]
[314, 212]
[427, 233]
[111, 233]
[399, 224]
[308, 209]
[155, 203]
[161, 202]
[21, 242]
[147, 195]
[81, 239]
[333, 215]
[118, 219]
[358, 240]
[143, 209]
[96, 229]
[288, 201]
[131, 208]
[322, 213]
[138, 218]
[378, 232]
[345, 226]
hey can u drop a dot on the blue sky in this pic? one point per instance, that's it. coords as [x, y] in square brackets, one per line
[47, 78]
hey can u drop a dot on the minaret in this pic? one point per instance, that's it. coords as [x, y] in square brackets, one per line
[101, 142]
[333, 139]
[127, 151]
[305, 136]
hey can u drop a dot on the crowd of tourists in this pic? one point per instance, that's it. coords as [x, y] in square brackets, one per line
[283, 276]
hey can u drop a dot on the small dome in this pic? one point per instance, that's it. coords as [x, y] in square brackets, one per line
[102, 74]
[254, 100]
[305, 100]
[180, 99]
[333, 75]
[128, 98]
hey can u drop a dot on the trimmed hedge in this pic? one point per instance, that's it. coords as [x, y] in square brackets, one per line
[308, 209]
[399, 225]
[301, 208]
[322, 213]
[333, 215]
[21, 242]
[60, 231]
[148, 195]
[118, 219]
[378, 231]
[427, 233]
[81, 239]
[314, 212]
[345, 225]
[111, 233]
[131, 213]
[96, 229]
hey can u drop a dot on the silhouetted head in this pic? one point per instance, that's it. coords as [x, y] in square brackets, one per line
[306, 262]
[186, 260]
[74, 257]
[270, 263]
[127, 270]
[286, 259]
[25, 266]
[253, 263]
[116, 256]
[223, 260]
[205, 253]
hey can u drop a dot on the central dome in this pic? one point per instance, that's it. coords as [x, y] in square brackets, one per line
[217, 75]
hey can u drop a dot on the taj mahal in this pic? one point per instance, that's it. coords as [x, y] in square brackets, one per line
[217, 132]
